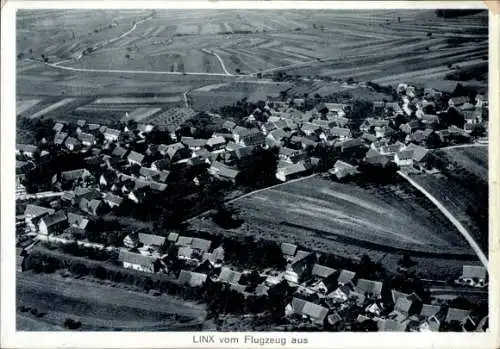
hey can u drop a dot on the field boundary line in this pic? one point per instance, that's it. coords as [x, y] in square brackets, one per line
[219, 59]
[451, 218]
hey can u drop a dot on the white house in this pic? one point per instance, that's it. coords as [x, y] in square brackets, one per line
[404, 158]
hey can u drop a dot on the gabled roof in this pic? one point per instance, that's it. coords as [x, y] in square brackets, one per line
[228, 125]
[405, 155]
[345, 276]
[473, 271]
[115, 199]
[172, 237]
[136, 258]
[322, 271]
[241, 131]
[229, 276]
[429, 310]
[151, 240]
[86, 137]
[34, 211]
[217, 140]
[221, 170]
[135, 156]
[193, 142]
[58, 127]
[75, 174]
[112, 132]
[60, 137]
[288, 249]
[389, 325]
[403, 305]
[78, 220]
[396, 294]
[308, 126]
[172, 149]
[201, 244]
[184, 241]
[191, 278]
[340, 132]
[364, 286]
[418, 152]
[292, 169]
[119, 152]
[55, 218]
[455, 314]
[317, 313]
[147, 172]
[26, 148]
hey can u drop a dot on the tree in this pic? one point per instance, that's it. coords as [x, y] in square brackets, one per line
[259, 169]
[429, 34]
[127, 56]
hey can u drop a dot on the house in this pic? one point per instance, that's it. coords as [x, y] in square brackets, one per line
[252, 137]
[193, 143]
[112, 200]
[472, 116]
[119, 152]
[286, 172]
[341, 133]
[350, 145]
[473, 275]
[33, 213]
[58, 127]
[192, 279]
[345, 276]
[151, 240]
[137, 261]
[216, 142]
[135, 158]
[428, 311]
[93, 207]
[26, 149]
[81, 123]
[411, 126]
[419, 152]
[77, 220]
[291, 155]
[229, 276]
[378, 106]
[60, 137]
[390, 325]
[223, 172]
[275, 137]
[455, 315]
[369, 288]
[288, 249]
[178, 151]
[303, 142]
[111, 134]
[201, 244]
[53, 223]
[298, 102]
[342, 169]
[228, 125]
[429, 119]
[391, 149]
[303, 266]
[458, 101]
[72, 143]
[316, 313]
[340, 295]
[321, 271]
[420, 136]
[87, 139]
[393, 108]
[310, 129]
[404, 158]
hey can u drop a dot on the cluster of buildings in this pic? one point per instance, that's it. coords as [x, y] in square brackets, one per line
[121, 164]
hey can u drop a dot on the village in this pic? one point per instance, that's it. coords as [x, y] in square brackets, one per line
[124, 167]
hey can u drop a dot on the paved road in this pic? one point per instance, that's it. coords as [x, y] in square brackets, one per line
[482, 257]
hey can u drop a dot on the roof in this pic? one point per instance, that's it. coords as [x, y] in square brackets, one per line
[72, 141]
[172, 237]
[219, 169]
[292, 169]
[201, 244]
[372, 153]
[193, 142]
[418, 152]
[396, 294]
[119, 152]
[78, 220]
[388, 325]
[81, 122]
[322, 271]
[316, 312]
[172, 149]
[136, 258]
[308, 126]
[184, 241]
[228, 125]
[34, 211]
[216, 140]
[364, 286]
[455, 314]
[474, 271]
[151, 240]
[60, 137]
[340, 132]
[185, 251]
[147, 172]
[135, 156]
[115, 199]
[55, 218]
[241, 131]
[75, 174]
[405, 155]
[112, 132]
[403, 305]
[345, 276]
[191, 278]
[26, 148]
[429, 310]
[86, 137]
[459, 100]
[229, 276]
[288, 249]
[58, 127]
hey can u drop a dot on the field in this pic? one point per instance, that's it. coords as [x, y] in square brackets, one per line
[98, 307]
[347, 220]
[474, 159]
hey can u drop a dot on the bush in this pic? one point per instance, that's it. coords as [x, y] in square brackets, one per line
[72, 324]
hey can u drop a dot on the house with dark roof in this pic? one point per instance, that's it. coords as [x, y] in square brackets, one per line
[93, 207]
[229, 276]
[33, 213]
[119, 152]
[53, 223]
[137, 261]
[112, 200]
[223, 172]
[288, 249]
[314, 312]
[404, 158]
[111, 134]
[151, 240]
[369, 288]
[77, 220]
[135, 158]
[216, 142]
[87, 139]
[473, 275]
[285, 172]
[191, 278]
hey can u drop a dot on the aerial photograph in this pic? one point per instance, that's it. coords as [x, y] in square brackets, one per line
[252, 170]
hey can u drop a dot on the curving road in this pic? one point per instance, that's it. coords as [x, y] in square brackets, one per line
[220, 61]
[482, 257]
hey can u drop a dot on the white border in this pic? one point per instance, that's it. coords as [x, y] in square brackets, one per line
[12, 339]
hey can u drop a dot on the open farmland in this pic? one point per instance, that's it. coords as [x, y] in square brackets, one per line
[474, 159]
[100, 308]
[347, 220]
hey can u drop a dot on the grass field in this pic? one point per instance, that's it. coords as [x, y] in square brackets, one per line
[474, 159]
[100, 307]
[383, 222]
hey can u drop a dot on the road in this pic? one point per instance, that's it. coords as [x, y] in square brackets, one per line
[482, 257]
[465, 146]
[220, 61]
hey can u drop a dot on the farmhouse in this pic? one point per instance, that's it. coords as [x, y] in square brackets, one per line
[53, 223]
[287, 172]
[111, 134]
[137, 261]
[135, 158]
[340, 132]
[26, 149]
[33, 213]
[316, 313]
